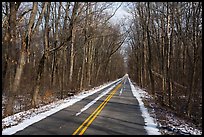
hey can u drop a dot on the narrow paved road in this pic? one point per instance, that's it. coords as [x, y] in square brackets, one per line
[115, 113]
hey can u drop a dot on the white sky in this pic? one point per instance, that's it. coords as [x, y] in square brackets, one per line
[121, 14]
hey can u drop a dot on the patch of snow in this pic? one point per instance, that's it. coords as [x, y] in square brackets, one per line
[168, 122]
[35, 115]
[94, 101]
[151, 126]
[181, 126]
[121, 91]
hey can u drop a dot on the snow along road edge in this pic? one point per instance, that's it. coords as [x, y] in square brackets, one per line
[67, 102]
[96, 99]
[151, 126]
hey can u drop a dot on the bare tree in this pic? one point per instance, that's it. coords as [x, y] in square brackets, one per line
[165, 40]
[25, 44]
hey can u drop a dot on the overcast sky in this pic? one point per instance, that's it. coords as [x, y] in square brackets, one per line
[121, 13]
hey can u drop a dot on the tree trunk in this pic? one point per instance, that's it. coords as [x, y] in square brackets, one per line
[82, 69]
[150, 55]
[38, 81]
[72, 56]
[22, 60]
[42, 63]
[12, 94]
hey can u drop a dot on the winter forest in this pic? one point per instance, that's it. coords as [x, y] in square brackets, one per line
[52, 50]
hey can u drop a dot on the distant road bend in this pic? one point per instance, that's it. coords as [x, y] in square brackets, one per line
[114, 113]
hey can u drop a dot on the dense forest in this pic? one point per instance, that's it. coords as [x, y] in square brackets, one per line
[165, 54]
[52, 50]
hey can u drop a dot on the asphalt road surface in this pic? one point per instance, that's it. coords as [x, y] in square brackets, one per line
[116, 113]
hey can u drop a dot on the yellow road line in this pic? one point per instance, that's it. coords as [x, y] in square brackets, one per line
[94, 117]
[89, 117]
[96, 112]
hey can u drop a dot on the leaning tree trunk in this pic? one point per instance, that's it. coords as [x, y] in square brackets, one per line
[42, 61]
[12, 94]
[23, 54]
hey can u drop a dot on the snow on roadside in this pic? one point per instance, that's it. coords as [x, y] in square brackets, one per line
[94, 101]
[151, 126]
[21, 120]
[168, 122]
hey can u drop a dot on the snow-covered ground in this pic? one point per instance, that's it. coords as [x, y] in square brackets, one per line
[151, 126]
[21, 120]
[154, 125]
[167, 122]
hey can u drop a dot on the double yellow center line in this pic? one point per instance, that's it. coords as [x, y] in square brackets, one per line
[82, 128]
